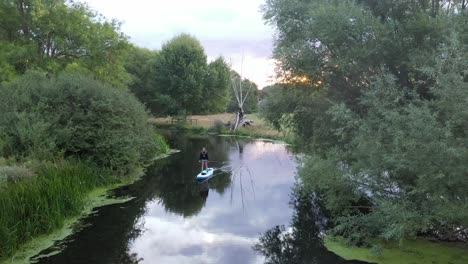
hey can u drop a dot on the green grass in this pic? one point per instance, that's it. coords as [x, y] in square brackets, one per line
[162, 144]
[207, 124]
[409, 252]
[41, 204]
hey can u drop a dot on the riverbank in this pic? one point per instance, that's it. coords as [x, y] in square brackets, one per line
[414, 252]
[46, 206]
[213, 124]
[42, 201]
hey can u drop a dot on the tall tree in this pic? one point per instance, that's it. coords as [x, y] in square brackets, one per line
[180, 75]
[141, 63]
[217, 87]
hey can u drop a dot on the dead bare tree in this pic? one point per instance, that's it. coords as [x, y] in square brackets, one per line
[241, 96]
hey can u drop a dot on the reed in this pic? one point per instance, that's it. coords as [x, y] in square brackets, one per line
[41, 204]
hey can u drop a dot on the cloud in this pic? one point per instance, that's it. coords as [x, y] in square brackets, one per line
[225, 27]
[225, 230]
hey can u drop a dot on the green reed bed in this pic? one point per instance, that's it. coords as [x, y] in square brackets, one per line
[40, 204]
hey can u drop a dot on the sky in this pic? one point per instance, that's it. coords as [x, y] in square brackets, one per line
[233, 29]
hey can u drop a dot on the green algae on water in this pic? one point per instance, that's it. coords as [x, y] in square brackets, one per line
[97, 198]
[409, 252]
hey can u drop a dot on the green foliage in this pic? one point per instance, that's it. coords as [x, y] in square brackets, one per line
[159, 140]
[219, 127]
[277, 107]
[178, 78]
[409, 251]
[141, 64]
[51, 35]
[180, 73]
[217, 87]
[41, 204]
[75, 116]
[378, 98]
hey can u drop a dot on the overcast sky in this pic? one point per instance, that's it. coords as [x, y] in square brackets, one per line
[231, 28]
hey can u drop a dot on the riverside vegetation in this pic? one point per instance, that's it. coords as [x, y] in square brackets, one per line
[60, 138]
[376, 93]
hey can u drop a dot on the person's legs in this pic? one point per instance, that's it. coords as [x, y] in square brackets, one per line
[204, 164]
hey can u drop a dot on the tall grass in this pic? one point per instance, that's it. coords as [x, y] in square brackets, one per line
[41, 204]
[163, 147]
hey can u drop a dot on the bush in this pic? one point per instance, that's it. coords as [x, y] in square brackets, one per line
[14, 174]
[75, 116]
[219, 127]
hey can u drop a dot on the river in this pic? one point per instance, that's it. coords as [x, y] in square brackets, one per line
[173, 219]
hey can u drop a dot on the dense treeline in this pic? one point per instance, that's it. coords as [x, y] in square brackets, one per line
[178, 80]
[65, 35]
[377, 92]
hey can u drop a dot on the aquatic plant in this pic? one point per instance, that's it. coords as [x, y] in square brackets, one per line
[38, 205]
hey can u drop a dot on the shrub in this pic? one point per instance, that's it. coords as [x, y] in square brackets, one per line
[15, 174]
[75, 116]
[219, 127]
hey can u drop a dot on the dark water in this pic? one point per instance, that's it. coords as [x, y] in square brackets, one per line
[173, 219]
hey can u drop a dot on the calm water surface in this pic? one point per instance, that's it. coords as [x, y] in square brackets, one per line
[173, 219]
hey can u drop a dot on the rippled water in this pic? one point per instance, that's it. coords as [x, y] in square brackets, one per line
[173, 219]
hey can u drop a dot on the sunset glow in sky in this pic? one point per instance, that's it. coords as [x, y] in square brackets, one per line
[231, 28]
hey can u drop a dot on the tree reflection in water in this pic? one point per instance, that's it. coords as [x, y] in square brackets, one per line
[303, 241]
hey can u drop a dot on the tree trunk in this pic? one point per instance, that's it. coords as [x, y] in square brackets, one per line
[22, 6]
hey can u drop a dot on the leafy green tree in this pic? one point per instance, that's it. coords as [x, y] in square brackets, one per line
[380, 88]
[52, 35]
[217, 87]
[178, 80]
[180, 75]
[140, 64]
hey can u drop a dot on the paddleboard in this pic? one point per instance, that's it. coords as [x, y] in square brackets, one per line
[205, 174]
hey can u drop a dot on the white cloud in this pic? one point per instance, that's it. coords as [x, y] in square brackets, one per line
[231, 28]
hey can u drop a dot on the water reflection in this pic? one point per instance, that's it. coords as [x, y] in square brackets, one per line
[175, 220]
[301, 242]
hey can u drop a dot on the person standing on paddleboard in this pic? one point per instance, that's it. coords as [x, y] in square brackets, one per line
[204, 159]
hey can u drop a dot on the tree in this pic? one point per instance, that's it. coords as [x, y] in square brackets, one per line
[180, 75]
[57, 35]
[380, 88]
[217, 87]
[278, 105]
[250, 104]
[244, 99]
[140, 63]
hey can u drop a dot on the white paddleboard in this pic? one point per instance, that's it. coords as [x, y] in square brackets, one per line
[205, 174]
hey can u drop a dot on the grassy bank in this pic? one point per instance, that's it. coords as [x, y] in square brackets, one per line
[42, 203]
[409, 252]
[210, 123]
